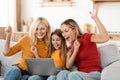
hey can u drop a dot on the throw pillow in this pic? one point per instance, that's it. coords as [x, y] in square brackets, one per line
[109, 53]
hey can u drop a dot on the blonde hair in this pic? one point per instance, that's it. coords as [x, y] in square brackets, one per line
[32, 30]
[73, 24]
[63, 48]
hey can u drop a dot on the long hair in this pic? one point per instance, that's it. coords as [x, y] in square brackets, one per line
[32, 30]
[73, 24]
[63, 48]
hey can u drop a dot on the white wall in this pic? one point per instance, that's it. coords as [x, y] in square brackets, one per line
[57, 14]
[108, 13]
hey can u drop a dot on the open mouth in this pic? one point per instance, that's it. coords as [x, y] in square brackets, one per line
[67, 38]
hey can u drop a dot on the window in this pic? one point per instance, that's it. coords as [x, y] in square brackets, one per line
[7, 13]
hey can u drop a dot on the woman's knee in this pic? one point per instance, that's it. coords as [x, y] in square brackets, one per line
[37, 77]
[34, 77]
[52, 77]
[63, 75]
[13, 70]
[74, 75]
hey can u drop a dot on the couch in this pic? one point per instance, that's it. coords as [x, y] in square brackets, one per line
[6, 61]
[109, 55]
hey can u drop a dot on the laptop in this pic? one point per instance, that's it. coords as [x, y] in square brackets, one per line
[41, 66]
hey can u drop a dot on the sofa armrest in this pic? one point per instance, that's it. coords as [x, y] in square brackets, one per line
[0, 67]
[111, 72]
[4, 59]
[109, 53]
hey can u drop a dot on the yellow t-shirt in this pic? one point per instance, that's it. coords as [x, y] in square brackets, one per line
[58, 61]
[24, 45]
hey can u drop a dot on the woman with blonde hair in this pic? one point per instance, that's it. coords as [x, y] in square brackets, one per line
[83, 50]
[36, 40]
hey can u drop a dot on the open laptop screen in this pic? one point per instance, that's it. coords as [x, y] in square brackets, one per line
[41, 66]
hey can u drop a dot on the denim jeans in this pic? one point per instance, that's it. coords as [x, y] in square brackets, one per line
[53, 77]
[62, 75]
[77, 75]
[37, 77]
[14, 73]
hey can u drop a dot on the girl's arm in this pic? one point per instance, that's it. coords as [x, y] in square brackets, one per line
[8, 32]
[71, 56]
[103, 35]
[34, 51]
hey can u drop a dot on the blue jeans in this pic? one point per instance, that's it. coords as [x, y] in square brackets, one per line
[37, 77]
[62, 75]
[52, 77]
[14, 73]
[77, 75]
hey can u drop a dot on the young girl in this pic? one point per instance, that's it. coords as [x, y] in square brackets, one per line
[38, 37]
[83, 50]
[58, 50]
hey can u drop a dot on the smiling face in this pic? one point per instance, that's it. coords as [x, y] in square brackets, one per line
[68, 33]
[41, 31]
[56, 41]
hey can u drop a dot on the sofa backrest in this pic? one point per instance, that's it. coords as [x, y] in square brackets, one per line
[7, 61]
[109, 53]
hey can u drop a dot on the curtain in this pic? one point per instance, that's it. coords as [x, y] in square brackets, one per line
[18, 15]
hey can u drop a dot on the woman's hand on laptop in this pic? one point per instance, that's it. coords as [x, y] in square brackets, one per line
[34, 51]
